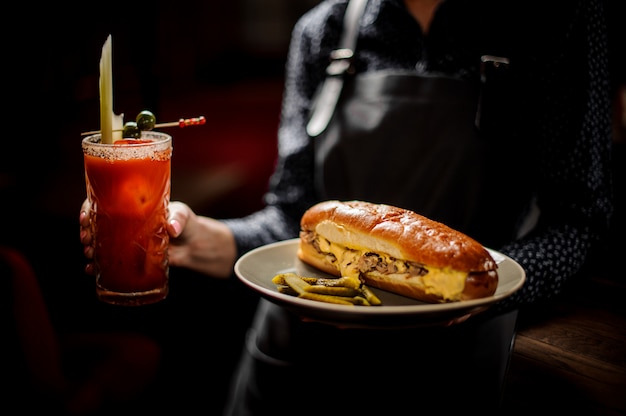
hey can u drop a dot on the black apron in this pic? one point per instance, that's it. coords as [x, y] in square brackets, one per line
[293, 367]
[439, 146]
[407, 141]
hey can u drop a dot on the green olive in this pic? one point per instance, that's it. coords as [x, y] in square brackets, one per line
[131, 130]
[146, 120]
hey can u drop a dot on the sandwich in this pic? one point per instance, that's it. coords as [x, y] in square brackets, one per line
[396, 250]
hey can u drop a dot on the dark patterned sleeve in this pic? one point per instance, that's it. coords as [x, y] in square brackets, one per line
[574, 195]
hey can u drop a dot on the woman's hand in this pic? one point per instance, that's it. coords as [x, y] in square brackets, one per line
[198, 243]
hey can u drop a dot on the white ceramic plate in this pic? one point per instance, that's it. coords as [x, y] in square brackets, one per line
[257, 268]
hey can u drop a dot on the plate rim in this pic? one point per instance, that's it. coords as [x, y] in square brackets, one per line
[306, 306]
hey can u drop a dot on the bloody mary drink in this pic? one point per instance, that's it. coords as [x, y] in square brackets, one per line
[128, 184]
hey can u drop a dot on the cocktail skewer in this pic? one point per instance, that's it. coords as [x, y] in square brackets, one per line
[183, 122]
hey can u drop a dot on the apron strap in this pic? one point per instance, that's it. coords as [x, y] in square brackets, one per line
[341, 63]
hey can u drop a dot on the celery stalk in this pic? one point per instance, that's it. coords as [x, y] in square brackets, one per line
[109, 121]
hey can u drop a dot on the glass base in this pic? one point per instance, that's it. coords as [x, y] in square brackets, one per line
[132, 298]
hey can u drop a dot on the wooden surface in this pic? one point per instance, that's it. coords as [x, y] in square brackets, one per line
[571, 357]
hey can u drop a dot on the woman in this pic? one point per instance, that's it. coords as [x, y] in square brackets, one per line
[542, 194]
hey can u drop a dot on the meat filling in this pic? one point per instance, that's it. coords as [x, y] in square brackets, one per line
[369, 261]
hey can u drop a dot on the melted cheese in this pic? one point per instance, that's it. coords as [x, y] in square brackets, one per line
[346, 259]
[447, 283]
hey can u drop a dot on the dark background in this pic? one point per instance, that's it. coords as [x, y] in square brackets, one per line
[223, 60]
[220, 59]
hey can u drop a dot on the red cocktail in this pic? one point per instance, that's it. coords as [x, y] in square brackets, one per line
[128, 184]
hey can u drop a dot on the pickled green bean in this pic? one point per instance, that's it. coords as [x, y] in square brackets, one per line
[342, 290]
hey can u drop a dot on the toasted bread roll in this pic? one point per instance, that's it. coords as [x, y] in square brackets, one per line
[397, 250]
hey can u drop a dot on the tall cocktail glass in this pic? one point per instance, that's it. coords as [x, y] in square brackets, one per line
[128, 184]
